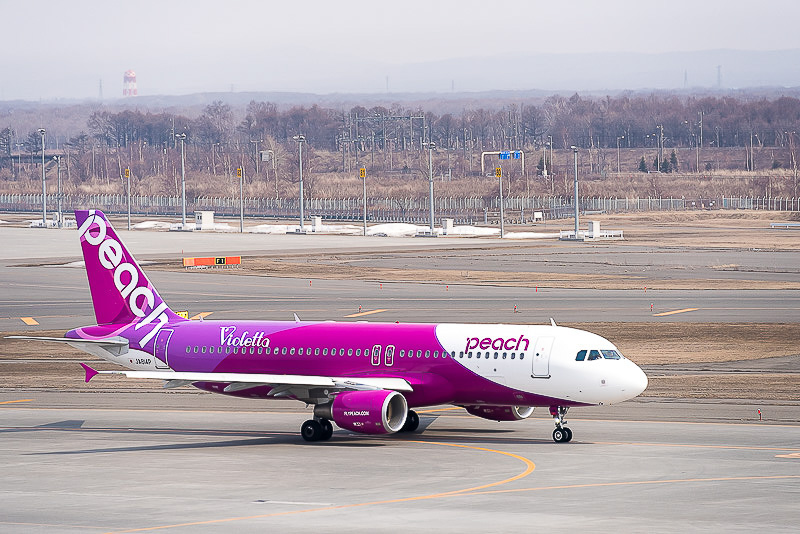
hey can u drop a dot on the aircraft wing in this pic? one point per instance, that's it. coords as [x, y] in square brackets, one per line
[303, 387]
[115, 345]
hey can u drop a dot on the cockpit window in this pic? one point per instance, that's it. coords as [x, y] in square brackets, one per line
[611, 355]
[581, 356]
[594, 355]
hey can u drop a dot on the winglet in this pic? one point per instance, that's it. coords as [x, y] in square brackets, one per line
[89, 371]
[552, 322]
[296, 318]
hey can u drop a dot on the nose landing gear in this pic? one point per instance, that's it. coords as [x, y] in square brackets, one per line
[562, 434]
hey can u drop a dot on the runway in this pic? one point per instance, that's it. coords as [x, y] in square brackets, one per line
[193, 462]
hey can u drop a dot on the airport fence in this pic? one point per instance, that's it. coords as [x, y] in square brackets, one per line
[463, 210]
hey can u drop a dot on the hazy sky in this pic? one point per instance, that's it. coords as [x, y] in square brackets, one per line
[62, 49]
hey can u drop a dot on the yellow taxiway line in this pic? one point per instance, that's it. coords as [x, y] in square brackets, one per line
[664, 314]
[529, 467]
[364, 313]
[30, 321]
[14, 401]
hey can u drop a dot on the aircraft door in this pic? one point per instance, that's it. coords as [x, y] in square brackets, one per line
[388, 357]
[376, 355]
[160, 351]
[541, 357]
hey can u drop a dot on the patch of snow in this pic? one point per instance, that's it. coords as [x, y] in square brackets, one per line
[149, 225]
[531, 235]
[473, 231]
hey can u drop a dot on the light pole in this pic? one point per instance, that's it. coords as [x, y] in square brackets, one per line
[300, 140]
[618, 167]
[256, 142]
[499, 174]
[58, 182]
[240, 172]
[44, 185]
[431, 147]
[182, 138]
[363, 174]
[575, 153]
[128, 180]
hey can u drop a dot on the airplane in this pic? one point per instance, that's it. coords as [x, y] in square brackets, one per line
[364, 377]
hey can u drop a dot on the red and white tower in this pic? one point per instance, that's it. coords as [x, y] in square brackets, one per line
[129, 84]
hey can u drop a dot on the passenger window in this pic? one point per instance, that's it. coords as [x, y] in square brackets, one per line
[316, 351]
[283, 350]
[325, 351]
[436, 354]
[349, 352]
[521, 356]
[427, 354]
[341, 352]
[594, 355]
[252, 350]
[195, 349]
[504, 355]
[267, 350]
[188, 349]
[299, 351]
[495, 355]
[460, 354]
[358, 352]
[513, 354]
[581, 356]
[419, 354]
[203, 350]
[469, 355]
[402, 352]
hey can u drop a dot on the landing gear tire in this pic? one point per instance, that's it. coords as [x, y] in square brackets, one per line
[561, 434]
[311, 430]
[412, 422]
[327, 430]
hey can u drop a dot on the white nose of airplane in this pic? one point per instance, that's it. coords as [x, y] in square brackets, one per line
[635, 381]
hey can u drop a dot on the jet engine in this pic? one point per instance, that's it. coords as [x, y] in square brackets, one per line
[501, 413]
[367, 412]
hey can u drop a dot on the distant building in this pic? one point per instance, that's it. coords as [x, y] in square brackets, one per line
[129, 84]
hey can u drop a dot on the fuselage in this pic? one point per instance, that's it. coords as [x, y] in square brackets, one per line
[464, 364]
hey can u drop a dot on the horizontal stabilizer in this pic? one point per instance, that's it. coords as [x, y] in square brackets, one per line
[240, 381]
[115, 345]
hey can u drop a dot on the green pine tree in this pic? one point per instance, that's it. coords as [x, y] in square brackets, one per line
[642, 165]
[673, 161]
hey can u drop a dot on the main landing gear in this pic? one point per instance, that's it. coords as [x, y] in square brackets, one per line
[562, 434]
[320, 429]
[317, 430]
[412, 422]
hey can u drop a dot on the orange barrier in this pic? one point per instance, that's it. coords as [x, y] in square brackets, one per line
[212, 262]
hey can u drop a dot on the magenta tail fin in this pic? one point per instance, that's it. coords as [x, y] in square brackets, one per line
[121, 292]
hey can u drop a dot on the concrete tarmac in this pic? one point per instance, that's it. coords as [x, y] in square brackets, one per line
[182, 462]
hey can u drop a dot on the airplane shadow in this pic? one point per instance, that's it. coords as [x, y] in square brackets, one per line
[247, 438]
